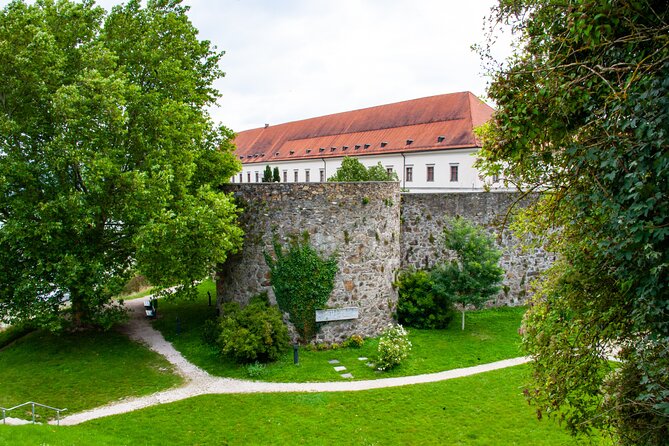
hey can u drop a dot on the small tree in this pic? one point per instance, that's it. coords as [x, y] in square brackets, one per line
[473, 276]
[353, 170]
[275, 175]
[302, 282]
[267, 175]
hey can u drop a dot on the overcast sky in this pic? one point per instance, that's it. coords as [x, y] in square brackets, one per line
[295, 59]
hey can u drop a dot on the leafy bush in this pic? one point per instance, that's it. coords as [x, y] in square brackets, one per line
[419, 304]
[211, 330]
[255, 370]
[302, 282]
[253, 333]
[394, 347]
[355, 341]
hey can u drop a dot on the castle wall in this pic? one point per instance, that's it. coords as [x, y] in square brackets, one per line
[375, 231]
[422, 223]
[358, 221]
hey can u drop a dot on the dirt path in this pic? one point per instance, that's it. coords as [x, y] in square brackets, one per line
[199, 382]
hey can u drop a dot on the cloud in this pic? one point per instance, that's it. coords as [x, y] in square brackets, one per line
[296, 59]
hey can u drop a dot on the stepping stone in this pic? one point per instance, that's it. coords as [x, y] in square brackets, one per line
[347, 375]
[340, 368]
[333, 361]
[362, 358]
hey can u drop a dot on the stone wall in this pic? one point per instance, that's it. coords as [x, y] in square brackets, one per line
[422, 222]
[358, 221]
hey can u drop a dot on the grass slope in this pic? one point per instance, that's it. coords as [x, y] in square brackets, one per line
[78, 371]
[490, 335]
[483, 409]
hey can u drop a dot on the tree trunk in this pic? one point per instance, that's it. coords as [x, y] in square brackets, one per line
[463, 317]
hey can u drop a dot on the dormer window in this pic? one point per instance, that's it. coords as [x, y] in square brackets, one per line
[441, 138]
[384, 143]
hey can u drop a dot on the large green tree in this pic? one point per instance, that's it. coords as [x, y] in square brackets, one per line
[583, 116]
[109, 162]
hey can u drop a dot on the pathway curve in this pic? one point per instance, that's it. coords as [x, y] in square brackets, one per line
[199, 382]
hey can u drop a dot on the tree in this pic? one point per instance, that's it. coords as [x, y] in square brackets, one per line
[583, 116]
[474, 275]
[353, 170]
[275, 175]
[267, 175]
[109, 163]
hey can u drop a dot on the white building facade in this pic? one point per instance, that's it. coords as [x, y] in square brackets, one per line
[429, 143]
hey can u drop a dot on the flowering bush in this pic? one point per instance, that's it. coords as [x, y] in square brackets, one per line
[394, 347]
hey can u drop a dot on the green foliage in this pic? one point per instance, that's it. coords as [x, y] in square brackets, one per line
[275, 175]
[474, 275]
[583, 113]
[253, 333]
[419, 305]
[394, 347]
[302, 282]
[354, 341]
[109, 161]
[267, 174]
[353, 170]
[255, 370]
[211, 331]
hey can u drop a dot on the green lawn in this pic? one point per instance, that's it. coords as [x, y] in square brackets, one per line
[485, 409]
[490, 335]
[78, 371]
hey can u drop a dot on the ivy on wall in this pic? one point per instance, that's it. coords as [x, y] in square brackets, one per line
[302, 281]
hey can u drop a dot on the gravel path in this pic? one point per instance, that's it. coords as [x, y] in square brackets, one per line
[199, 382]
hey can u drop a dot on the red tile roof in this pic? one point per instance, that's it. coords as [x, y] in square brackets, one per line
[434, 123]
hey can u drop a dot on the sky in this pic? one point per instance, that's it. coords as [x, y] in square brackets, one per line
[288, 60]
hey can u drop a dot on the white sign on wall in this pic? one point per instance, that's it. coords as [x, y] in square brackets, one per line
[337, 314]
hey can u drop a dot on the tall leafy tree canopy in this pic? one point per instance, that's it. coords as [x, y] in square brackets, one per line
[109, 162]
[583, 115]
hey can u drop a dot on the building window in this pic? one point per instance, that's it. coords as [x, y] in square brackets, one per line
[408, 174]
[295, 175]
[248, 177]
[430, 173]
[285, 176]
[240, 177]
[495, 178]
[232, 179]
[321, 172]
[307, 176]
[257, 178]
[454, 173]
[389, 169]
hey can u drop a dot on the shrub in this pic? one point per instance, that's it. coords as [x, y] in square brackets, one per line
[211, 330]
[355, 341]
[394, 347]
[253, 333]
[255, 370]
[419, 305]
